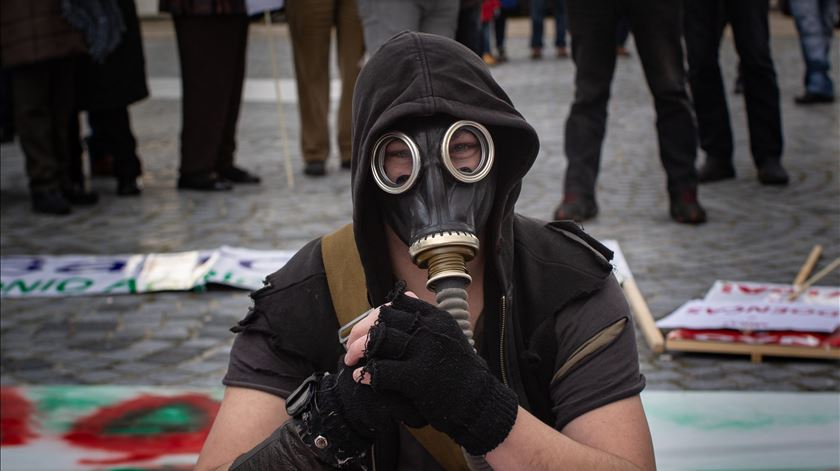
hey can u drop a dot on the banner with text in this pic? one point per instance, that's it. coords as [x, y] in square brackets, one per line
[73, 275]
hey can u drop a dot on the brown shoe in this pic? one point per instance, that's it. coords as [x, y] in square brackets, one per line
[562, 53]
[576, 207]
[536, 53]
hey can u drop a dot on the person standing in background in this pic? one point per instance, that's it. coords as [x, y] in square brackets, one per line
[538, 25]
[108, 88]
[657, 32]
[704, 24]
[212, 37]
[815, 20]
[310, 27]
[43, 52]
[489, 9]
[468, 31]
[500, 28]
[381, 20]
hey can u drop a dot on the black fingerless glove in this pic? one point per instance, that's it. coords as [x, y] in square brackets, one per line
[419, 352]
[342, 418]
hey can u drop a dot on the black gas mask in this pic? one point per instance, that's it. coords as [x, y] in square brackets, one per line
[437, 173]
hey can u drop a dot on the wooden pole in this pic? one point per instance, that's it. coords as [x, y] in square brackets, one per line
[281, 117]
[643, 316]
[808, 266]
[817, 277]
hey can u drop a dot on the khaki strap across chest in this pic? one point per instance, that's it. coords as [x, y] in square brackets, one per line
[346, 280]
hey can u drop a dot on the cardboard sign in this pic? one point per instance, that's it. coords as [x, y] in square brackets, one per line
[701, 314]
[748, 291]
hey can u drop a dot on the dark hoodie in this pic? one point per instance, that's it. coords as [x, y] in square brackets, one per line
[555, 325]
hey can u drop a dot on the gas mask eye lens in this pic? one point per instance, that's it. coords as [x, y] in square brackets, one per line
[396, 162]
[467, 151]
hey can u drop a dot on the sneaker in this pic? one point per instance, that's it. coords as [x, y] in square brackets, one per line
[236, 174]
[315, 168]
[576, 207]
[809, 98]
[712, 171]
[772, 173]
[488, 59]
[50, 202]
[686, 209]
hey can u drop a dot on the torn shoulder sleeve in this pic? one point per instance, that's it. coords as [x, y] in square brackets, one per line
[597, 361]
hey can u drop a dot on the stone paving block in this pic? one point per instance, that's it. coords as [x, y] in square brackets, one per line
[811, 383]
[96, 376]
[173, 356]
[204, 367]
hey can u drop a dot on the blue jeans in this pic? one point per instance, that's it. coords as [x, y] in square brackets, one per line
[537, 18]
[814, 21]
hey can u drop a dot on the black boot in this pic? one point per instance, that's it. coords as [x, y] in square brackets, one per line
[713, 171]
[76, 195]
[127, 186]
[50, 202]
[686, 209]
[772, 173]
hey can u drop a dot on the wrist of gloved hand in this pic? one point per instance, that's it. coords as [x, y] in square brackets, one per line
[338, 418]
[419, 352]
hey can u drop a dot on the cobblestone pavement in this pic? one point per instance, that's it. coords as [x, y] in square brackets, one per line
[754, 232]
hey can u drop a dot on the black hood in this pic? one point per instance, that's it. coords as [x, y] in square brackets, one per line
[423, 75]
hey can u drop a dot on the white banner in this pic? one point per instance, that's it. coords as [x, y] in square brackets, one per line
[753, 316]
[748, 291]
[73, 275]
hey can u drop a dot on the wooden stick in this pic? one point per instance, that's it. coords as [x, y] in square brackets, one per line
[817, 277]
[641, 312]
[808, 266]
[281, 117]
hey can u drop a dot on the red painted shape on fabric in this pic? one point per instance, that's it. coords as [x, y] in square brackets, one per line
[93, 431]
[15, 416]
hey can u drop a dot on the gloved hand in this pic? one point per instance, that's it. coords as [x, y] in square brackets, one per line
[418, 351]
[365, 412]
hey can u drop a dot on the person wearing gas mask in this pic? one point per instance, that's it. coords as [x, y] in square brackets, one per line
[468, 336]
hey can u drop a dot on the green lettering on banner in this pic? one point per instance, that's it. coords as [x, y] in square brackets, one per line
[66, 286]
[129, 284]
[48, 284]
[21, 285]
[210, 274]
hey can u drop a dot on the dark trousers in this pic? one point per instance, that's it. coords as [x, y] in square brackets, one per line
[44, 96]
[468, 31]
[657, 29]
[704, 23]
[212, 54]
[111, 129]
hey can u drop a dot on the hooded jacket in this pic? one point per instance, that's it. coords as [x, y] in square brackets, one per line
[555, 326]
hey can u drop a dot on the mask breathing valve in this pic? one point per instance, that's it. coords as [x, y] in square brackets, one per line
[445, 255]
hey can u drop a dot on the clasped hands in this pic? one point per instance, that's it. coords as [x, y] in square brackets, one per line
[409, 362]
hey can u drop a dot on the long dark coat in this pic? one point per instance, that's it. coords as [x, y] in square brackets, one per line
[203, 7]
[121, 79]
[34, 30]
